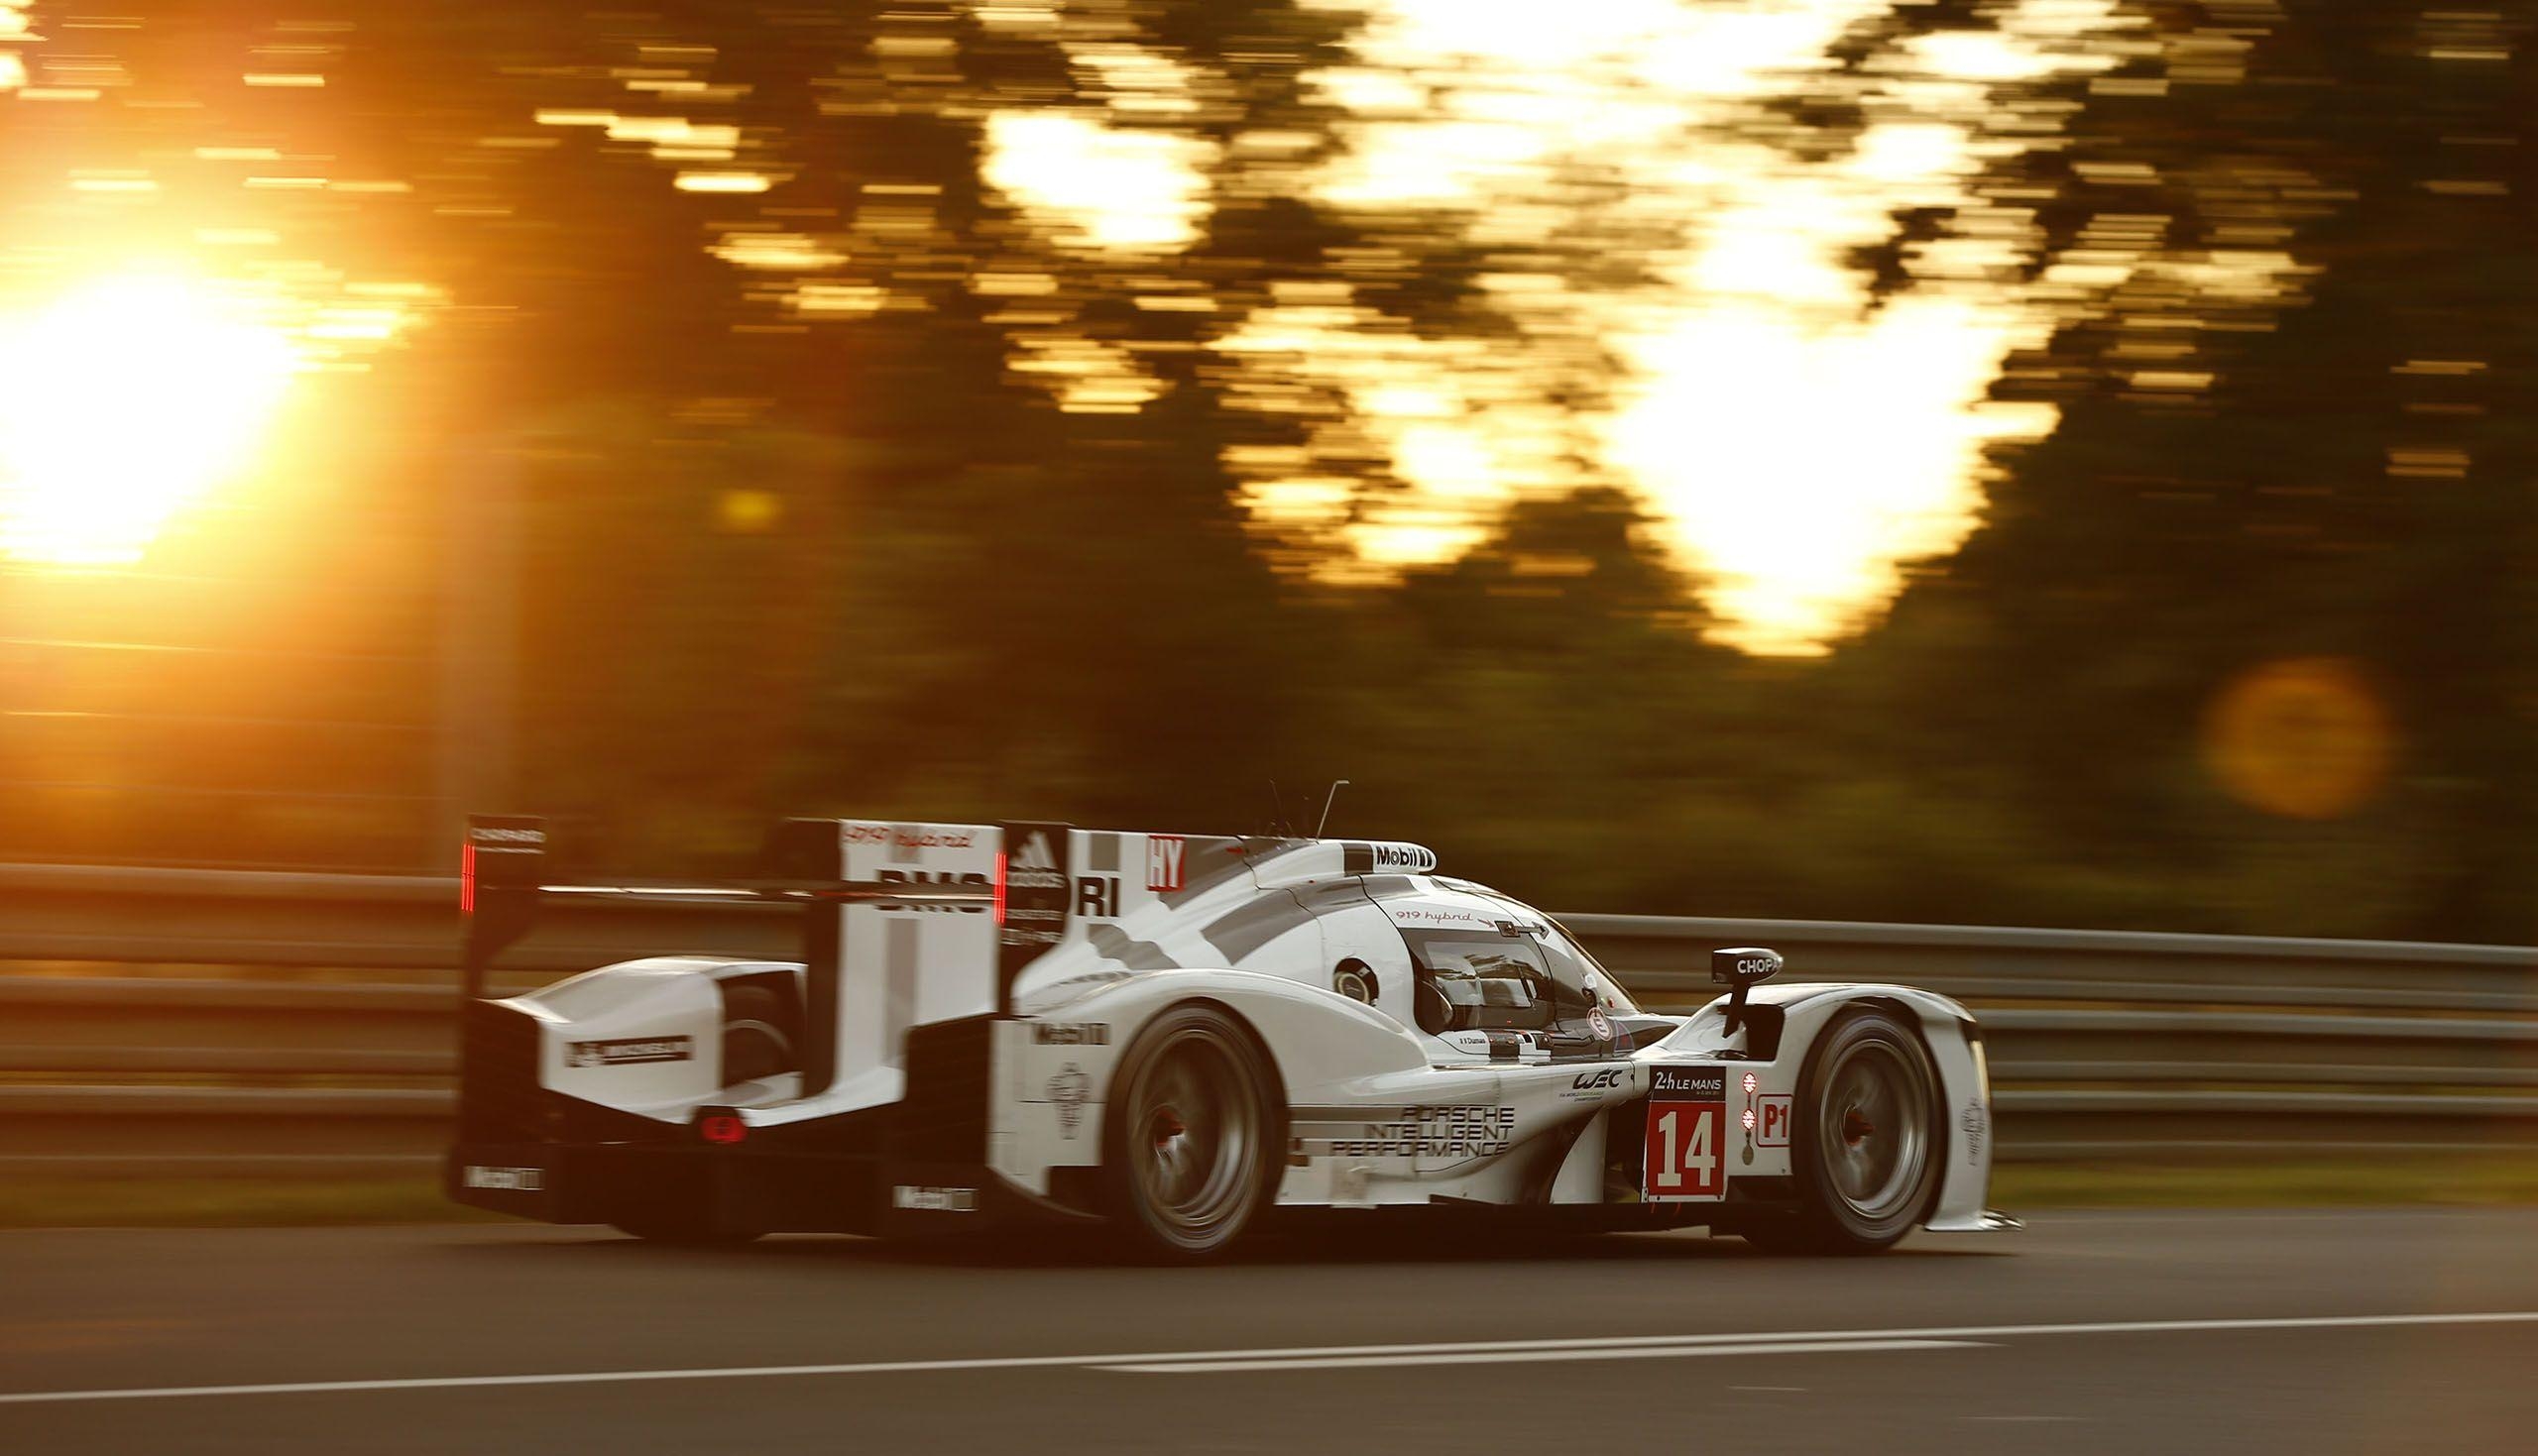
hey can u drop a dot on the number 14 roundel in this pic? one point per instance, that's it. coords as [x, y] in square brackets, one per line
[1687, 1135]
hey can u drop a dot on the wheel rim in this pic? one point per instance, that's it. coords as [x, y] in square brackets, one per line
[1196, 1136]
[1876, 1120]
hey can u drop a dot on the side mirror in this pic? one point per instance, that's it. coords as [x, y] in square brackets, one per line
[1746, 966]
[1740, 970]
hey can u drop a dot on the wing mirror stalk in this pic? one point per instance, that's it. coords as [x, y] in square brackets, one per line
[1740, 970]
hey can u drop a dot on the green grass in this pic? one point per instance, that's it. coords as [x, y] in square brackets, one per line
[2456, 1179]
[2443, 1178]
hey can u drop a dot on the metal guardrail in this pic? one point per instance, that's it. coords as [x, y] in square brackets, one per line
[2103, 1045]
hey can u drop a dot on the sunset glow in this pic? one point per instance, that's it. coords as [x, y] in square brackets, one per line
[1794, 438]
[121, 404]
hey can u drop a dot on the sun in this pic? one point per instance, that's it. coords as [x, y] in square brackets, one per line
[121, 404]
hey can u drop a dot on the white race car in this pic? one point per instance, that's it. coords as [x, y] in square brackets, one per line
[1187, 1036]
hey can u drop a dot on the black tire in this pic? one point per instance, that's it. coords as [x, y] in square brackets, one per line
[1192, 1135]
[1869, 1141]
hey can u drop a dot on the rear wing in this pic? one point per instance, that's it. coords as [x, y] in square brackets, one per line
[506, 876]
[503, 879]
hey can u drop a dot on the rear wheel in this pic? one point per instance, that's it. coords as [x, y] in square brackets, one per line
[1191, 1134]
[1867, 1135]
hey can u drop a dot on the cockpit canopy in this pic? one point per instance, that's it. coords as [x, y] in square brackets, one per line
[1484, 962]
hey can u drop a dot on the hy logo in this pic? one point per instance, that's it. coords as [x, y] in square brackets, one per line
[1167, 860]
[1068, 1089]
[1035, 854]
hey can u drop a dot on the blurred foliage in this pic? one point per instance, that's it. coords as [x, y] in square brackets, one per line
[879, 491]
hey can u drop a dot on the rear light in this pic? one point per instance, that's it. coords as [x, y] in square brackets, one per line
[999, 887]
[724, 1128]
[467, 879]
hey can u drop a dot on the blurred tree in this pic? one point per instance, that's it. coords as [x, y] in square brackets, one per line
[2339, 466]
[863, 473]
[1062, 594]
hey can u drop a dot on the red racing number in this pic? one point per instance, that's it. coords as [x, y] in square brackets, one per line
[1686, 1134]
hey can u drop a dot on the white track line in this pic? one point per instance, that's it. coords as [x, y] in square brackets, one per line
[1533, 1357]
[1622, 1347]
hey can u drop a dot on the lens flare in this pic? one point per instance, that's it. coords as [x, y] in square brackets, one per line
[2305, 737]
[122, 404]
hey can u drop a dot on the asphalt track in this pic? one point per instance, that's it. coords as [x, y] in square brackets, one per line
[2155, 1332]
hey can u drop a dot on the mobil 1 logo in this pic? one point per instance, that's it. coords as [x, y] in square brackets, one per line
[1687, 1135]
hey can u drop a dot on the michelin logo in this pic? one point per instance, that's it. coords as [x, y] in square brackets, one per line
[929, 1200]
[628, 1051]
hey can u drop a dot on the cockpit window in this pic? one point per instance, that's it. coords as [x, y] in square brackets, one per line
[1473, 983]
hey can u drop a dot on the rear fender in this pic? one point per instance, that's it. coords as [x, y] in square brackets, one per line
[643, 1036]
[1053, 1071]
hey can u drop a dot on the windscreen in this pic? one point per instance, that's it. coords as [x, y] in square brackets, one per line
[1578, 982]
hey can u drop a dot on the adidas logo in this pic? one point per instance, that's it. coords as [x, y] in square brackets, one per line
[1035, 865]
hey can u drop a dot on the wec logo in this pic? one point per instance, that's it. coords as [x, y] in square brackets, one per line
[1610, 1077]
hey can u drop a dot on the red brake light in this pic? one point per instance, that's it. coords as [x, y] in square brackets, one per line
[467, 878]
[999, 887]
[723, 1127]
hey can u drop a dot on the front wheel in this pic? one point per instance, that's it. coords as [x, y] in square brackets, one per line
[1191, 1138]
[1867, 1135]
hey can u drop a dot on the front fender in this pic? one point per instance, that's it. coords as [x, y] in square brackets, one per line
[1955, 1043]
